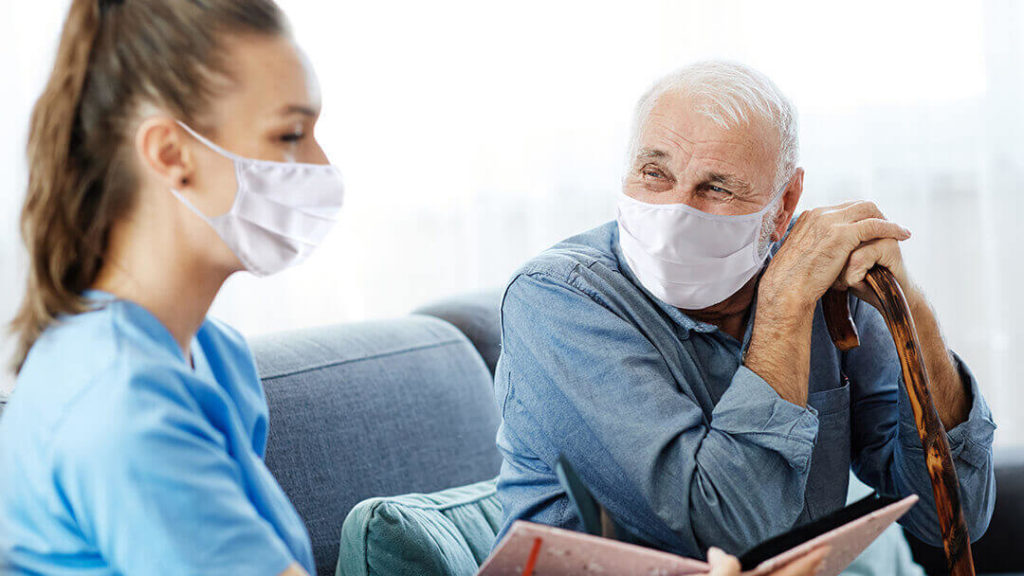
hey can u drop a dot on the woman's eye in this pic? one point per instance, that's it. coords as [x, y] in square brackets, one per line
[293, 137]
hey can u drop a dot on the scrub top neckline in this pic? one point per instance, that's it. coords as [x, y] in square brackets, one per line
[195, 350]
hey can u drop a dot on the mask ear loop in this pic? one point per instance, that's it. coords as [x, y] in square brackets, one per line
[765, 242]
[777, 197]
[209, 144]
[215, 148]
[190, 206]
[237, 160]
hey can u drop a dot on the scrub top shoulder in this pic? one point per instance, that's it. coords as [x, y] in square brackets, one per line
[119, 457]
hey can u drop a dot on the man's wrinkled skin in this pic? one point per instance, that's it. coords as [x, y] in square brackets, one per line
[685, 157]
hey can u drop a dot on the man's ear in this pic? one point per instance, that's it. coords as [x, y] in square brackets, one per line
[163, 153]
[790, 198]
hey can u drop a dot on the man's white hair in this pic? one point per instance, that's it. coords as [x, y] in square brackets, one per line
[730, 94]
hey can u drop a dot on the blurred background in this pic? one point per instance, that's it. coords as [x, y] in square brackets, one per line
[474, 134]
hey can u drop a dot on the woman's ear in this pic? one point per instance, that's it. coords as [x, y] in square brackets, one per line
[790, 198]
[160, 144]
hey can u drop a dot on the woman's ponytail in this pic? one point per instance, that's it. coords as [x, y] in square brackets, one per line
[55, 176]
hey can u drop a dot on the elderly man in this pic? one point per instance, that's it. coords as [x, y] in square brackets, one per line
[678, 356]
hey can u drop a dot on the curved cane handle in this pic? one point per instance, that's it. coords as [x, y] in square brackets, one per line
[945, 486]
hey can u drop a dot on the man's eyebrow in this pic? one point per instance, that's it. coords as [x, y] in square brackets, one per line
[299, 109]
[733, 183]
[651, 153]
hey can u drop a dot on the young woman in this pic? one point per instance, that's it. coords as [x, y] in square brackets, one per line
[172, 147]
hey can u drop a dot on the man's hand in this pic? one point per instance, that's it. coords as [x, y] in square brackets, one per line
[951, 401]
[827, 247]
[724, 565]
[832, 246]
[835, 247]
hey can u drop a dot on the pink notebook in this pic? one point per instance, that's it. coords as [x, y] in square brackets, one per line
[536, 550]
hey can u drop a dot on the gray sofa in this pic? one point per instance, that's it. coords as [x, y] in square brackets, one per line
[373, 409]
[387, 408]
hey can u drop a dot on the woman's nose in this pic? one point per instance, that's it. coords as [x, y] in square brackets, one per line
[319, 156]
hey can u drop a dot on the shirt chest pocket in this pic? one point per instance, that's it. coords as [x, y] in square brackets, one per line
[830, 461]
[833, 400]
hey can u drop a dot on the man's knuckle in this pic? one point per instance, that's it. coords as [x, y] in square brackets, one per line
[880, 228]
[862, 231]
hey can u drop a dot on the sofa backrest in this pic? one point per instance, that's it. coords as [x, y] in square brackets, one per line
[477, 315]
[373, 409]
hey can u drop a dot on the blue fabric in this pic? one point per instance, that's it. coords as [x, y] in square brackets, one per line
[476, 316]
[889, 554]
[685, 446]
[116, 457]
[373, 409]
[447, 533]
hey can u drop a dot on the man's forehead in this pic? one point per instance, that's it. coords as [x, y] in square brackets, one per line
[686, 119]
[732, 157]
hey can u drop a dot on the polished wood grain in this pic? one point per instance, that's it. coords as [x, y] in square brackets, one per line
[945, 485]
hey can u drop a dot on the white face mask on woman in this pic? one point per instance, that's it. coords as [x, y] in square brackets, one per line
[689, 258]
[281, 212]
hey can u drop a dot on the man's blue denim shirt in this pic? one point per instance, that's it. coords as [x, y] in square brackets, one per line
[685, 446]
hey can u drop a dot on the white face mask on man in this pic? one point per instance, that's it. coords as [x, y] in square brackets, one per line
[689, 258]
[281, 212]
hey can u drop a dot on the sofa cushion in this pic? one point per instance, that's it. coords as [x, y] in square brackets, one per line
[448, 533]
[373, 409]
[476, 315]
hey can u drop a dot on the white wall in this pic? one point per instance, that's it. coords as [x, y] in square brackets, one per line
[474, 134]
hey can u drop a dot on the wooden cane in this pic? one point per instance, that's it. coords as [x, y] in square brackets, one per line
[945, 486]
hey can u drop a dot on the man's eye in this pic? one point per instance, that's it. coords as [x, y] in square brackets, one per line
[718, 190]
[652, 173]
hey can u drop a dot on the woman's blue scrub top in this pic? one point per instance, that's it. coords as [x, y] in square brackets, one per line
[117, 457]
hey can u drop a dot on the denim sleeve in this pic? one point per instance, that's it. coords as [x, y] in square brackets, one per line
[584, 381]
[154, 486]
[887, 452]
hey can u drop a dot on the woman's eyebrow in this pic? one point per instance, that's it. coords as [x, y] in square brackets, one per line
[300, 109]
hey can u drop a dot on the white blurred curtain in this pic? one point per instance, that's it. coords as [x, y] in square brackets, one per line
[474, 134]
